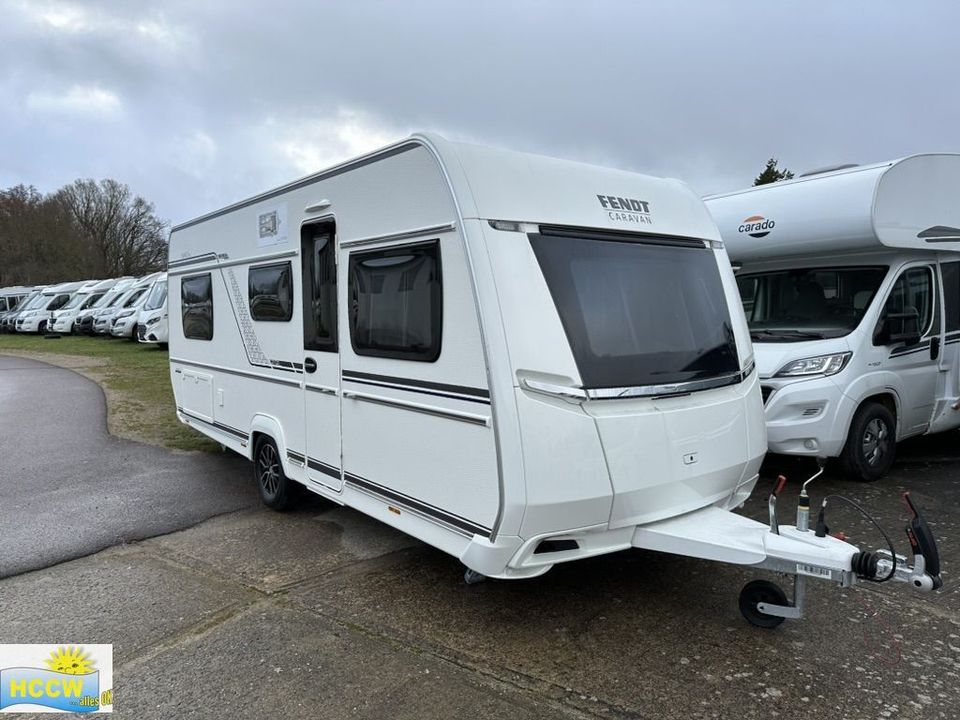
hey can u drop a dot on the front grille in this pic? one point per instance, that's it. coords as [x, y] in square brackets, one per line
[141, 332]
[766, 391]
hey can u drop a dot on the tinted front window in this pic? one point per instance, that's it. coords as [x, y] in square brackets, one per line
[196, 296]
[158, 296]
[806, 303]
[133, 297]
[92, 301]
[75, 301]
[636, 313]
[271, 292]
[396, 302]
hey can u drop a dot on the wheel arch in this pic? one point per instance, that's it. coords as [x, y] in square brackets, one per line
[267, 426]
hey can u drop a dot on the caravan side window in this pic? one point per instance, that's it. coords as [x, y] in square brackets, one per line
[271, 292]
[951, 294]
[396, 302]
[196, 295]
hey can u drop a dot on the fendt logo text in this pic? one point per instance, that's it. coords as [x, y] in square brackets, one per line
[624, 209]
[757, 226]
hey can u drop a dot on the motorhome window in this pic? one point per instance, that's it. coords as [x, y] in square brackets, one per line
[396, 302]
[196, 296]
[92, 301]
[134, 296]
[639, 314]
[912, 294]
[58, 302]
[951, 294]
[319, 287]
[75, 301]
[270, 290]
[158, 296]
[807, 303]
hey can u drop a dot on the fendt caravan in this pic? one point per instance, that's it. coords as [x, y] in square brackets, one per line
[851, 284]
[519, 360]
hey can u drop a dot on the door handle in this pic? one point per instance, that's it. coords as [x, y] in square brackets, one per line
[309, 365]
[934, 348]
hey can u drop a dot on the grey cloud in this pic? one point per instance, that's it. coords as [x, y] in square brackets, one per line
[217, 97]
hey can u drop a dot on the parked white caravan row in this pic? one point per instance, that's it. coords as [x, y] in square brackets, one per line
[851, 284]
[107, 307]
[519, 360]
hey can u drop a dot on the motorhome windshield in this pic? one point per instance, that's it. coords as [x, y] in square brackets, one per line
[158, 296]
[75, 301]
[34, 301]
[639, 313]
[807, 303]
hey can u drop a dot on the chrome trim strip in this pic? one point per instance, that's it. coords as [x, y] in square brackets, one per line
[321, 389]
[216, 265]
[580, 394]
[682, 388]
[191, 260]
[242, 373]
[403, 235]
[417, 407]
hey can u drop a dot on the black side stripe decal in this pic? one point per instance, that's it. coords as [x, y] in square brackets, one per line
[420, 506]
[441, 389]
[328, 470]
[217, 425]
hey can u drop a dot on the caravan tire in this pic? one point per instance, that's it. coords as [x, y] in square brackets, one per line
[871, 444]
[276, 490]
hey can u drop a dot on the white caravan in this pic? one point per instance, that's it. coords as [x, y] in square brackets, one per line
[152, 323]
[461, 342]
[851, 284]
[10, 297]
[8, 322]
[35, 318]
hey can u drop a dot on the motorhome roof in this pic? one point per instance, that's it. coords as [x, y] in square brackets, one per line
[67, 287]
[500, 184]
[909, 203]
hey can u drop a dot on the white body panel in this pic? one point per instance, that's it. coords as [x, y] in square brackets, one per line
[896, 216]
[37, 317]
[461, 451]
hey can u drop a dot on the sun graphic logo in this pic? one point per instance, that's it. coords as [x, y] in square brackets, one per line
[70, 660]
[76, 679]
[757, 226]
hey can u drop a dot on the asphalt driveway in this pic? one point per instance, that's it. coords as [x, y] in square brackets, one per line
[68, 488]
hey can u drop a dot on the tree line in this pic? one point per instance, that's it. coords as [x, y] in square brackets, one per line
[84, 230]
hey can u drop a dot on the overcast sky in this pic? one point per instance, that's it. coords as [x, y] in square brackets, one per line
[197, 103]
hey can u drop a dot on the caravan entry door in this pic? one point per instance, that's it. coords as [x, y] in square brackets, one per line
[321, 359]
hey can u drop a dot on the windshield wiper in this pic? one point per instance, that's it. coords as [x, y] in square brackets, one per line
[796, 334]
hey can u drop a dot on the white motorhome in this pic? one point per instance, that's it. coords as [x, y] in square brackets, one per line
[61, 321]
[83, 323]
[126, 304]
[851, 284]
[152, 323]
[35, 318]
[461, 342]
[124, 321]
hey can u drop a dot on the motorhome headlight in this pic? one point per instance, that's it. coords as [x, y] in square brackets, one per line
[153, 321]
[819, 365]
[125, 313]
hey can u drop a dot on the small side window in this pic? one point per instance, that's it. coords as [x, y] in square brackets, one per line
[951, 294]
[396, 302]
[271, 292]
[909, 307]
[196, 295]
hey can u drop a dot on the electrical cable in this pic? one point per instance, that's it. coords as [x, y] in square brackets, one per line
[893, 555]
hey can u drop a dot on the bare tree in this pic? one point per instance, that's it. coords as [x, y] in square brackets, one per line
[125, 235]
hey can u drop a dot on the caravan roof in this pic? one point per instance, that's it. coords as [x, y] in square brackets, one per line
[910, 203]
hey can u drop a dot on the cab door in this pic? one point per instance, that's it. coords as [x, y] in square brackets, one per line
[912, 308]
[321, 359]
